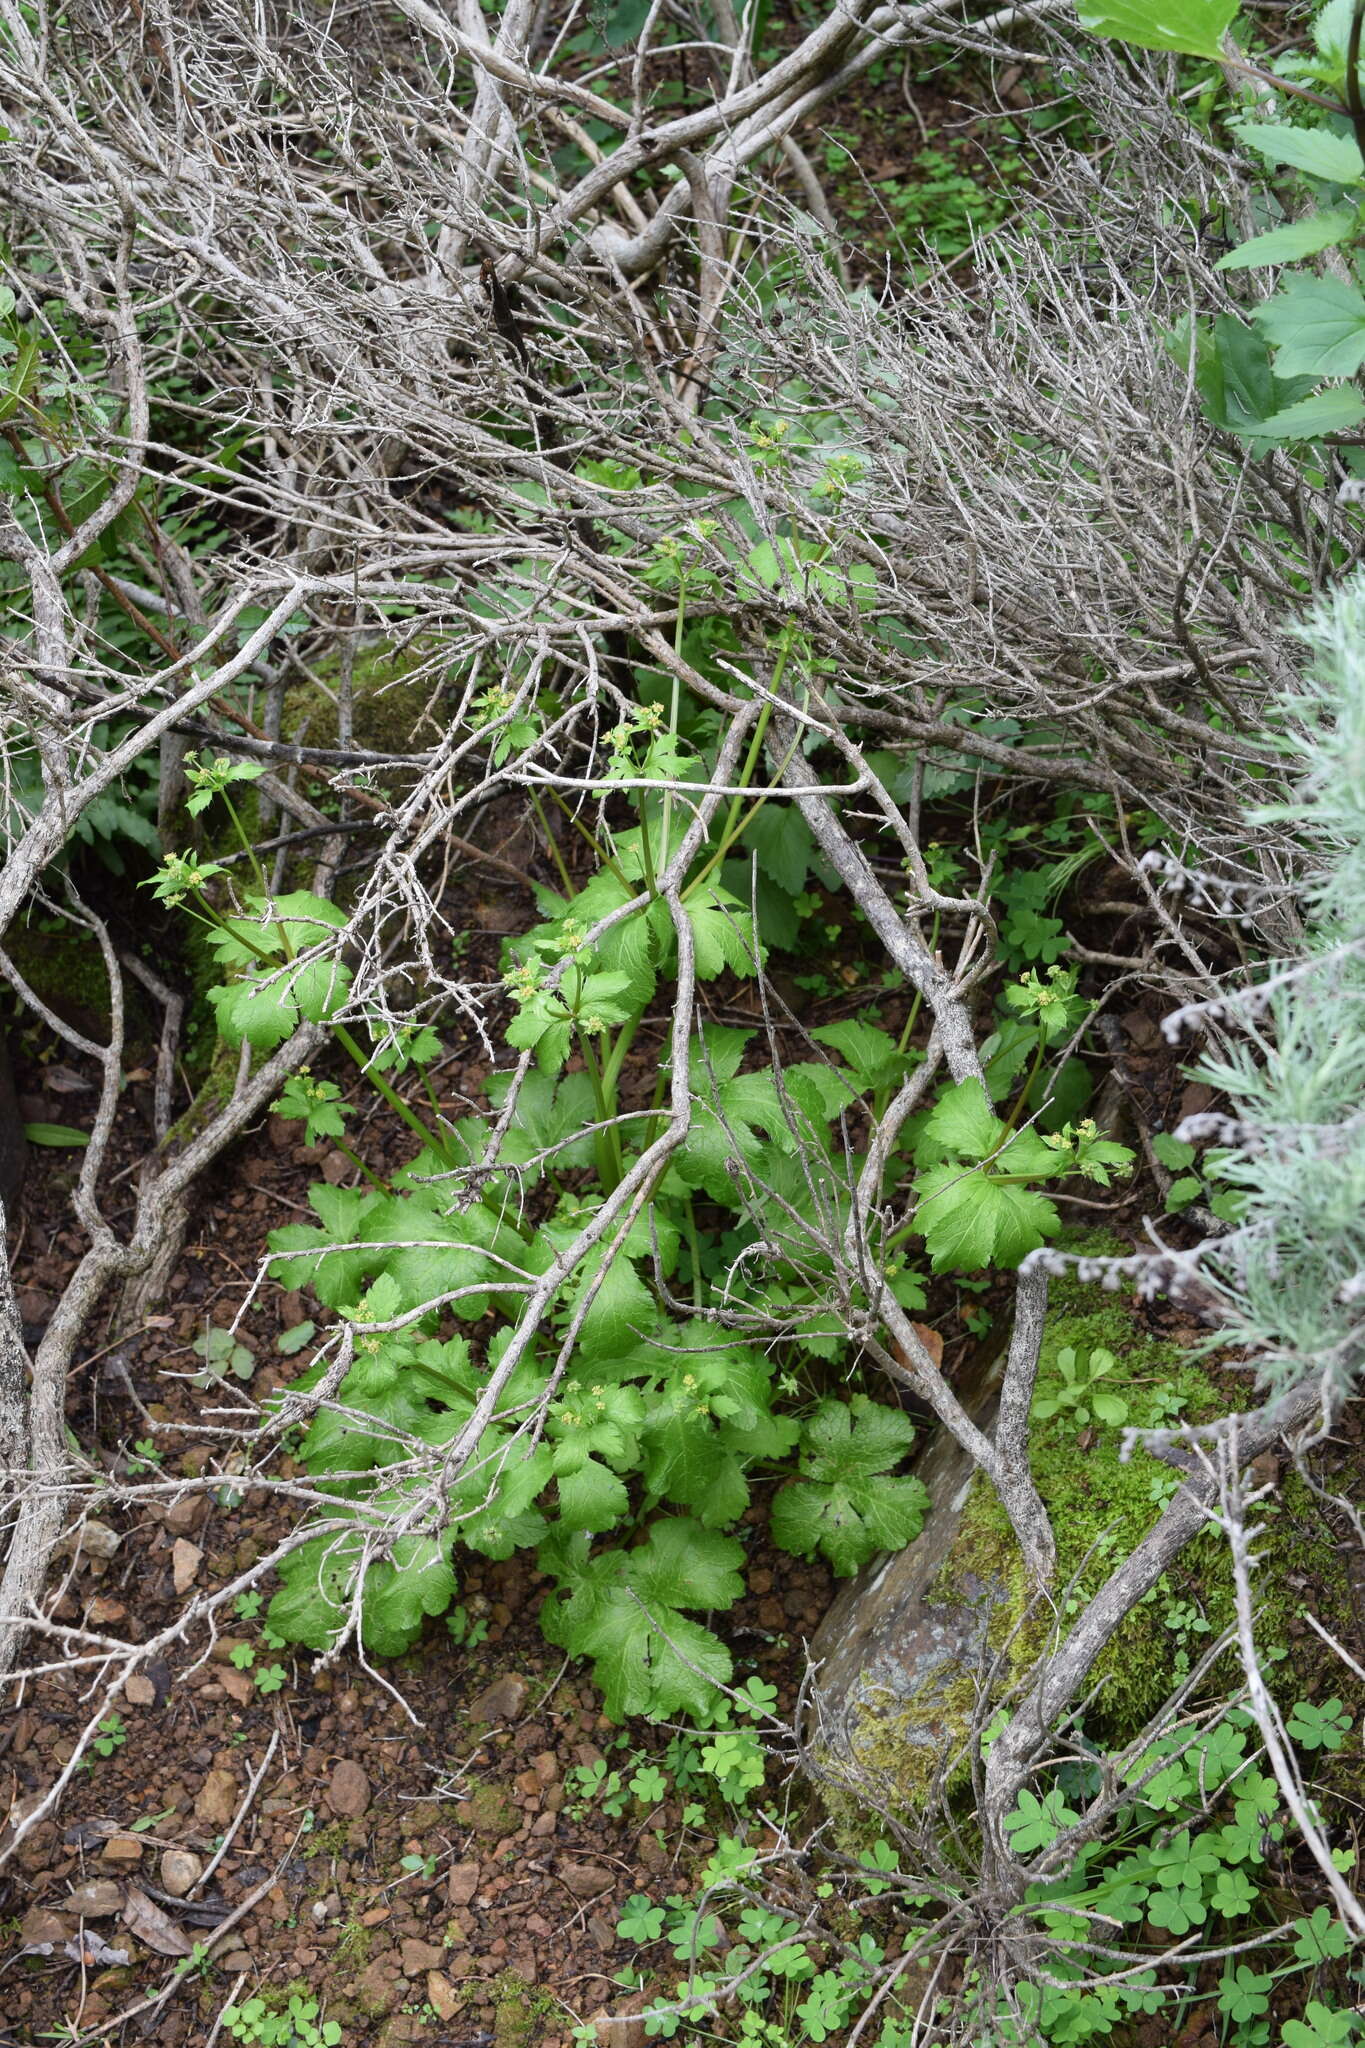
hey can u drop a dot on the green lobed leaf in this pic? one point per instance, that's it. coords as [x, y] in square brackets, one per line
[971, 1220]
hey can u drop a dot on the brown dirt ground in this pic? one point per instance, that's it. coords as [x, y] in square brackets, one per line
[513, 1936]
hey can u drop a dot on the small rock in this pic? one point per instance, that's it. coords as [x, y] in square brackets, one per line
[348, 1794]
[183, 1516]
[101, 1612]
[39, 1925]
[238, 1686]
[402, 2029]
[503, 1700]
[546, 1767]
[544, 1825]
[378, 1990]
[217, 1798]
[586, 1880]
[236, 1961]
[186, 1559]
[34, 1306]
[444, 2000]
[462, 1883]
[122, 1849]
[97, 1899]
[180, 1872]
[138, 1690]
[95, 1539]
[420, 1956]
[618, 2029]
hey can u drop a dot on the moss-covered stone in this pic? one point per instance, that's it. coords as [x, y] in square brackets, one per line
[66, 968]
[519, 2008]
[905, 1735]
[488, 1811]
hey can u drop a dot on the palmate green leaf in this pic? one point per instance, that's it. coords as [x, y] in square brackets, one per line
[656, 1671]
[872, 1055]
[305, 1256]
[263, 1010]
[963, 1122]
[319, 1588]
[853, 1440]
[1193, 27]
[782, 840]
[622, 1610]
[399, 1594]
[592, 1497]
[722, 931]
[973, 1215]
[297, 917]
[971, 1218]
[1289, 244]
[621, 1306]
[436, 1253]
[687, 1460]
[1316, 326]
[845, 1504]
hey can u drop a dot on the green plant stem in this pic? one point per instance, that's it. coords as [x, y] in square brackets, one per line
[356, 1160]
[1022, 1097]
[672, 723]
[612, 1065]
[248, 849]
[591, 839]
[556, 856]
[390, 1095]
[606, 1140]
[694, 1249]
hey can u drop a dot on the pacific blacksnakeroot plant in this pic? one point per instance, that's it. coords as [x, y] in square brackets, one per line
[660, 1417]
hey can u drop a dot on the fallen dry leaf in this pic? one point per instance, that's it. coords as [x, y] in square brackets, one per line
[152, 1926]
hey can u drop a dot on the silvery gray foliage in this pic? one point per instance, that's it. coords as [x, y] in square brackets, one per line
[1294, 1270]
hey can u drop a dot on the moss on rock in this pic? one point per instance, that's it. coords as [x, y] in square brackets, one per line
[901, 1743]
[518, 2008]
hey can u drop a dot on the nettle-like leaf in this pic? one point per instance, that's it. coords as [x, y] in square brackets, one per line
[844, 1503]
[623, 1610]
[1316, 326]
[977, 1208]
[1316, 151]
[1292, 242]
[1193, 27]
